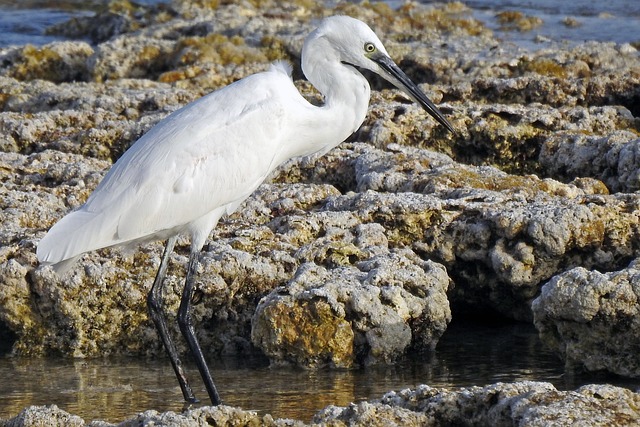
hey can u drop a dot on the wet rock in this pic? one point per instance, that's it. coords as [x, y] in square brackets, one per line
[592, 318]
[98, 28]
[113, 18]
[371, 312]
[514, 20]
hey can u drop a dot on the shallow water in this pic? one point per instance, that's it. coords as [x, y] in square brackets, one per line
[114, 389]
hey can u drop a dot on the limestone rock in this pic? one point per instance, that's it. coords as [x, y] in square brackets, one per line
[522, 403]
[501, 235]
[125, 57]
[52, 416]
[43, 416]
[57, 62]
[369, 313]
[613, 159]
[592, 318]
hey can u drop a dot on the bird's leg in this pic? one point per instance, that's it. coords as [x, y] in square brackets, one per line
[186, 326]
[154, 302]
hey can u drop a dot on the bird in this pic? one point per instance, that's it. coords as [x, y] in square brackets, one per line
[203, 160]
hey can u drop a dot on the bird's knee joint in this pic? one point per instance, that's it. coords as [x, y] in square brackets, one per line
[154, 304]
[184, 320]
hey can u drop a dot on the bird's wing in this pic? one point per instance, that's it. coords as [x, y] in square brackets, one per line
[212, 153]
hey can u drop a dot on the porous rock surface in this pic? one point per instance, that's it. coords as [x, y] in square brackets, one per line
[539, 185]
[592, 318]
[521, 404]
[377, 311]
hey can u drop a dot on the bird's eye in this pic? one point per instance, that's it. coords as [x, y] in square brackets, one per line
[369, 47]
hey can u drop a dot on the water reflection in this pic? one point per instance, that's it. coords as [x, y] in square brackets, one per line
[114, 389]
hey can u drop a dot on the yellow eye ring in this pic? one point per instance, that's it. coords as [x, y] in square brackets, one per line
[369, 47]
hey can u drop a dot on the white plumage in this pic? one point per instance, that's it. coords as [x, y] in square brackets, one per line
[203, 160]
[182, 175]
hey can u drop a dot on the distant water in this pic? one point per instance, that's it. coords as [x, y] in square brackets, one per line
[25, 21]
[572, 21]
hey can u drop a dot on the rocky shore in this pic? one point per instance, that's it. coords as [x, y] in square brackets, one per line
[529, 213]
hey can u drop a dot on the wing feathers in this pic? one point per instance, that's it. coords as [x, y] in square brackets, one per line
[209, 155]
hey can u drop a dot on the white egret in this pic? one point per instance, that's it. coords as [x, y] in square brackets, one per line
[203, 160]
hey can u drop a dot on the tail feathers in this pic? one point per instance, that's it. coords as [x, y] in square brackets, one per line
[62, 267]
[73, 235]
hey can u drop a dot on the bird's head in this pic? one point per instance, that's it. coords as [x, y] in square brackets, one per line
[352, 43]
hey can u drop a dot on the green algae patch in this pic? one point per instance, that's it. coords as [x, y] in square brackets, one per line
[274, 48]
[204, 4]
[36, 64]
[338, 253]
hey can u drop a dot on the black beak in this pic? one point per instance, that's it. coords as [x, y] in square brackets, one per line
[396, 76]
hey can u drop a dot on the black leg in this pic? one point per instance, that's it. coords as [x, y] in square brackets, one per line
[184, 321]
[154, 302]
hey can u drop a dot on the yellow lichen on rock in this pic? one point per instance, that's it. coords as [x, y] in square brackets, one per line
[308, 332]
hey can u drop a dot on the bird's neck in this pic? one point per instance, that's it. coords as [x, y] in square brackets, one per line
[348, 90]
[346, 95]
